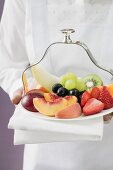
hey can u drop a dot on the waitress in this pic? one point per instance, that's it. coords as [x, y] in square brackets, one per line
[27, 28]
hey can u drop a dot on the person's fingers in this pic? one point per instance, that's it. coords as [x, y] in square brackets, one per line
[107, 118]
[17, 96]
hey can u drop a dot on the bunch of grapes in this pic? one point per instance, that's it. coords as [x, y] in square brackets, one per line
[71, 81]
[69, 84]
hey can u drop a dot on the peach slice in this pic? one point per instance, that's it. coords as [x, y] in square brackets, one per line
[72, 111]
[71, 100]
[50, 97]
[49, 108]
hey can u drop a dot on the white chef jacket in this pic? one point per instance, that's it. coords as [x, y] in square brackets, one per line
[27, 28]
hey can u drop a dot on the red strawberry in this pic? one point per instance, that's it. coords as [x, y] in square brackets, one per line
[106, 98]
[95, 92]
[93, 106]
[85, 97]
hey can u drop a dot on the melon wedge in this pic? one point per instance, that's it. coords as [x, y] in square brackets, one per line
[43, 77]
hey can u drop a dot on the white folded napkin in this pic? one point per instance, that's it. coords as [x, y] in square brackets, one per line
[31, 129]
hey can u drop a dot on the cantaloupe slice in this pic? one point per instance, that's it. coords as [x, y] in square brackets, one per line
[26, 89]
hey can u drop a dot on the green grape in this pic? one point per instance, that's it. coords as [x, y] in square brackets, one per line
[80, 85]
[63, 79]
[69, 84]
[71, 76]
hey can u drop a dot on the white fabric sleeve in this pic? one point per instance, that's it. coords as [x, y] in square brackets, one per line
[13, 55]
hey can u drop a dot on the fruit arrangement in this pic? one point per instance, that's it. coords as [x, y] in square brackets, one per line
[69, 96]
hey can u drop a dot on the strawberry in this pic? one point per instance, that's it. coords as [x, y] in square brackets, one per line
[106, 98]
[95, 92]
[93, 106]
[85, 97]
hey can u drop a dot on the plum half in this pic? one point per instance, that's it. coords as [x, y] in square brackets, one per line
[27, 100]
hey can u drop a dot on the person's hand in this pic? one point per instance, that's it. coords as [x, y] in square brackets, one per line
[17, 96]
[107, 118]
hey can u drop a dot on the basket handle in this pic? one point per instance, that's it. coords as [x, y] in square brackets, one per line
[67, 39]
[93, 59]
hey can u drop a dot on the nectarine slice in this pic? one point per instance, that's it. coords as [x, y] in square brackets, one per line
[50, 97]
[49, 108]
[71, 100]
[72, 111]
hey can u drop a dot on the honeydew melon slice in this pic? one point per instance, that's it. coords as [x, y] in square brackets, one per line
[43, 77]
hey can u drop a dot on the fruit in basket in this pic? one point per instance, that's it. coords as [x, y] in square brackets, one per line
[71, 81]
[49, 108]
[63, 79]
[27, 100]
[43, 77]
[41, 88]
[71, 100]
[37, 91]
[71, 76]
[106, 97]
[93, 106]
[102, 93]
[26, 89]
[62, 92]
[85, 97]
[68, 76]
[80, 85]
[71, 111]
[56, 87]
[95, 92]
[74, 92]
[79, 99]
[110, 89]
[51, 97]
[70, 84]
[92, 80]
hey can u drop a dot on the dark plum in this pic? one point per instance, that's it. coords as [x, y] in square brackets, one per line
[27, 100]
